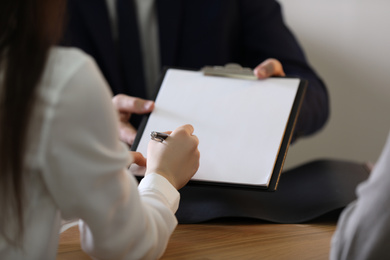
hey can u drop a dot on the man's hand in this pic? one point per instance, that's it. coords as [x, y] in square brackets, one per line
[126, 106]
[268, 68]
[138, 158]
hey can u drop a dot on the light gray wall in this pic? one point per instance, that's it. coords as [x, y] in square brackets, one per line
[348, 43]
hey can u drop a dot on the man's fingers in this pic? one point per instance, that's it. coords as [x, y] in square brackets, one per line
[128, 104]
[127, 133]
[138, 158]
[268, 68]
[124, 117]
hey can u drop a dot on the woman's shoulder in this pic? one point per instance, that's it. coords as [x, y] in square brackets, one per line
[71, 76]
[63, 64]
[67, 57]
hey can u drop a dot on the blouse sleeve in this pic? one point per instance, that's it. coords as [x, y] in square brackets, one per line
[87, 176]
[363, 230]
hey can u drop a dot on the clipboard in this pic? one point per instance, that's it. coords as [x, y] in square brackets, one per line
[244, 125]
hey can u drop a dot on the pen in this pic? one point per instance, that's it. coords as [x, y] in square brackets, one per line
[158, 136]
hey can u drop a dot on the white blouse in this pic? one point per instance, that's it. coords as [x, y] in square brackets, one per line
[363, 230]
[76, 167]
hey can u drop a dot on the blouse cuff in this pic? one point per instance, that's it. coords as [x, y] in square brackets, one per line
[156, 183]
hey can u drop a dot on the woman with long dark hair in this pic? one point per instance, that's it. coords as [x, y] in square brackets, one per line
[60, 154]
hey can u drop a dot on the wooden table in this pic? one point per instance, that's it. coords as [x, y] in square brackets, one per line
[233, 239]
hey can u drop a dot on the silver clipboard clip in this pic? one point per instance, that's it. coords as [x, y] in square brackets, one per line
[230, 70]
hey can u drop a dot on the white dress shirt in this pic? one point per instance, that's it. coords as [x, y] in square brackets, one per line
[76, 167]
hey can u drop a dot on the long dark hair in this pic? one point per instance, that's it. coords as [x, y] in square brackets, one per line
[28, 28]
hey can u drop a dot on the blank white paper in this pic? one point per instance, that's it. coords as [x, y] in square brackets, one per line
[240, 123]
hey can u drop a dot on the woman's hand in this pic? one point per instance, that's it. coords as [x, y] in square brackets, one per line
[176, 158]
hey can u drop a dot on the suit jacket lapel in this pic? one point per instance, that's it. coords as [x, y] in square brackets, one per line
[169, 17]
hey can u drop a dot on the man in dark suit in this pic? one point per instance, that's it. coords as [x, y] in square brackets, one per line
[192, 34]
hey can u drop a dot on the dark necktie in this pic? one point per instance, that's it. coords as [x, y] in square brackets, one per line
[129, 49]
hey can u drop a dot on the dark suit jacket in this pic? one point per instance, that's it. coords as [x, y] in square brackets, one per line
[193, 34]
